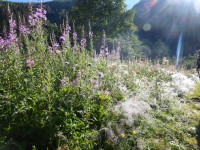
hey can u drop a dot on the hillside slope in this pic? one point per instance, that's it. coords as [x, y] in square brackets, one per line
[166, 20]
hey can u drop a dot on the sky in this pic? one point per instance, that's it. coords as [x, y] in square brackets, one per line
[130, 3]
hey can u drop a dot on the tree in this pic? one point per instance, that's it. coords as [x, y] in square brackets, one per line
[160, 49]
[108, 15]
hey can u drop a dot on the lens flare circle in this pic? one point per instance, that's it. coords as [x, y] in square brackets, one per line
[147, 27]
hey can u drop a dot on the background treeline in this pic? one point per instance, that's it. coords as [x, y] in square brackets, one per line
[56, 12]
[118, 23]
[110, 16]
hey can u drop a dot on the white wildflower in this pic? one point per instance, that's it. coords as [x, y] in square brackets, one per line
[131, 109]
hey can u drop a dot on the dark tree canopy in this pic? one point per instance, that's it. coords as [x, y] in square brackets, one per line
[108, 15]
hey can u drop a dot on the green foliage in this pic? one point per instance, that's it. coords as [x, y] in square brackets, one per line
[195, 93]
[160, 49]
[107, 15]
[52, 103]
[188, 62]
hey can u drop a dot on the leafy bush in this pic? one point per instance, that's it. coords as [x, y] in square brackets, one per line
[51, 95]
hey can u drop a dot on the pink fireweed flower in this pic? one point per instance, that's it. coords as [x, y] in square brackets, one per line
[32, 20]
[11, 40]
[75, 82]
[23, 30]
[95, 84]
[64, 81]
[12, 24]
[54, 49]
[83, 42]
[12, 37]
[39, 14]
[67, 63]
[1, 43]
[44, 12]
[30, 63]
[62, 39]
[74, 35]
[68, 28]
[90, 34]
[55, 45]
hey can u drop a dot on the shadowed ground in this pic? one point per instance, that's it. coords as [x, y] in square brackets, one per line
[198, 136]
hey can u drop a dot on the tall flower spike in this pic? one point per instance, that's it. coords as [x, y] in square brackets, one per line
[104, 47]
[12, 37]
[74, 33]
[90, 31]
[68, 27]
[64, 39]
[22, 28]
[91, 40]
[74, 37]
[54, 48]
[83, 40]
[37, 16]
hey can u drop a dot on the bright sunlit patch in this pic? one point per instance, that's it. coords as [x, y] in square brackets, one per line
[195, 3]
[149, 4]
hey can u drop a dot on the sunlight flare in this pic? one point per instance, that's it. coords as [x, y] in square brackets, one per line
[150, 4]
[179, 50]
[195, 3]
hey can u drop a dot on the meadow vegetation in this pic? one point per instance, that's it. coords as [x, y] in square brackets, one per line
[62, 95]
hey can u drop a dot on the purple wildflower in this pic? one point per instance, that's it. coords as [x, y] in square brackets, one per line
[100, 74]
[44, 12]
[74, 35]
[35, 17]
[12, 24]
[75, 82]
[82, 95]
[67, 28]
[55, 46]
[94, 82]
[62, 38]
[64, 81]
[11, 40]
[67, 63]
[30, 63]
[90, 34]
[83, 42]
[1, 42]
[54, 49]
[23, 30]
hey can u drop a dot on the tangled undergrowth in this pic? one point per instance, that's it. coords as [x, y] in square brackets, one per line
[63, 96]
